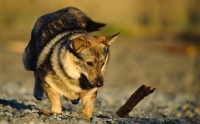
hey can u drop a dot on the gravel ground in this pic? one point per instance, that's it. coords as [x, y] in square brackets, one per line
[171, 66]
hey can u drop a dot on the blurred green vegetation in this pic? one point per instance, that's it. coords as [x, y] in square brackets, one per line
[133, 18]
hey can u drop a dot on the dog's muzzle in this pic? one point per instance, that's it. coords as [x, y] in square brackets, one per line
[86, 84]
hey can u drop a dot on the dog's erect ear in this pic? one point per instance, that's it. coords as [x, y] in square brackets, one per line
[79, 44]
[108, 39]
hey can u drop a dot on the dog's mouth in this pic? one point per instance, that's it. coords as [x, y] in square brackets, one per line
[86, 85]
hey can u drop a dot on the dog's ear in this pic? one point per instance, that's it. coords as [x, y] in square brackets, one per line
[107, 40]
[79, 44]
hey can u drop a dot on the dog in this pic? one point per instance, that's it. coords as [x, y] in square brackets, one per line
[67, 59]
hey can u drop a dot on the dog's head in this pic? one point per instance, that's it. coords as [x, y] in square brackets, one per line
[91, 54]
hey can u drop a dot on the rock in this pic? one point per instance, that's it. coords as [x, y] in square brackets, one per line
[27, 111]
[185, 106]
[95, 119]
[35, 110]
[8, 113]
[59, 118]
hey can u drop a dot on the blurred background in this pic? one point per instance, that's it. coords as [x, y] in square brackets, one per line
[158, 44]
[133, 18]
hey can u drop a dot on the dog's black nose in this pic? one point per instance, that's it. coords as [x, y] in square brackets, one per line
[99, 83]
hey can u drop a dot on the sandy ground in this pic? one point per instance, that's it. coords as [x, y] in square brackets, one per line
[172, 66]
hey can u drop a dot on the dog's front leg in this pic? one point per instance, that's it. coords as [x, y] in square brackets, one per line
[88, 105]
[54, 98]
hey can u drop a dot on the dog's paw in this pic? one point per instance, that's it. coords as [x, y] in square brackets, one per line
[76, 101]
[38, 94]
[38, 97]
[47, 112]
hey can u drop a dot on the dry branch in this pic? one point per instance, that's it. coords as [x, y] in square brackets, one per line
[135, 98]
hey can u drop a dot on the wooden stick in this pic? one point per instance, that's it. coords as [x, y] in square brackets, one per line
[135, 98]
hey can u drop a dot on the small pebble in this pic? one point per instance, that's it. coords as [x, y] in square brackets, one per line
[185, 107]
[53, 115]
[27, 111]
[58, 119]
[95, 119]
[35, 110]
[7, 113]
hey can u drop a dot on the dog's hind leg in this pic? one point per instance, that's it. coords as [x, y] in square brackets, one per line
[38, 90]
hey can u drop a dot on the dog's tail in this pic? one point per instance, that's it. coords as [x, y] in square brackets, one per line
[93, 26]
[85, 21]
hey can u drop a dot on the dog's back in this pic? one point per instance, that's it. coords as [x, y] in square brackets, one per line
[47, 27]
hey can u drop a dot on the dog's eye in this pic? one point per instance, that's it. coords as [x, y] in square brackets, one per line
[89, 64]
